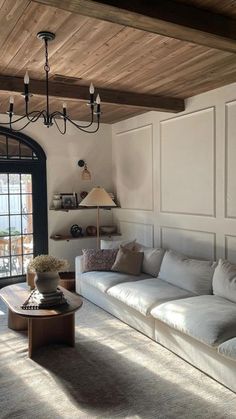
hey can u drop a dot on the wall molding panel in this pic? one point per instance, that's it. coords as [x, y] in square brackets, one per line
[182, 186]
[143, 233]
[199, 244]
[133, 167]
[194, 176]
[230, 157]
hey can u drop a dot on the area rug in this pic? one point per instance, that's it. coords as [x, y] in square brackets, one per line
[113, 372]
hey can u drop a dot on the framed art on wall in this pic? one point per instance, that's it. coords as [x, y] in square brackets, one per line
[69, 200]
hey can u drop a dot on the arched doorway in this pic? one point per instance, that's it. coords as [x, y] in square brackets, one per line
[23, 204]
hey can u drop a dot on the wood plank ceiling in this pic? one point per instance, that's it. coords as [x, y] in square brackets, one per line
[110, 55]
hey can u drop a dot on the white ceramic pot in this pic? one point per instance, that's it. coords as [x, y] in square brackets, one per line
[46, 281]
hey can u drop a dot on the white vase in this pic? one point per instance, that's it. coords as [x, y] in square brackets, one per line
[46, 281]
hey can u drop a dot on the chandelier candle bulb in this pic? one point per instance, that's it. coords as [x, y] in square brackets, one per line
[26, 83]
[11, 101]
[98, 102]
[26, 78]
[91, 91]
[64, 106]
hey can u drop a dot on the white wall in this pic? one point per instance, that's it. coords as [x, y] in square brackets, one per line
[175, 176]
[64, 175]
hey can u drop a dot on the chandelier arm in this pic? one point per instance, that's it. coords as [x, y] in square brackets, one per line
[84, 130]
[35, 115]
[58, 127]
[65, 117]
[20, 129]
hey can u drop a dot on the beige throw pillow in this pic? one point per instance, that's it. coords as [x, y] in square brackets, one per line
[128, 261]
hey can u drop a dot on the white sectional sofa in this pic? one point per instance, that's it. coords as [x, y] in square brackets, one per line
[189, 307]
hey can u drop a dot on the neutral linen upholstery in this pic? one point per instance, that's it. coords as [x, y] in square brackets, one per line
[228, 349]
[104, 280]
[143, 295]
[208, 318]
[190, 274]
[224, 280]
[152, 258]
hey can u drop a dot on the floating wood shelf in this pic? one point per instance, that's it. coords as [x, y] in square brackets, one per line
[68, 237]
[79, 208]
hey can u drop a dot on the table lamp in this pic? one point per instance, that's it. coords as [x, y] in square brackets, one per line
[98, 197]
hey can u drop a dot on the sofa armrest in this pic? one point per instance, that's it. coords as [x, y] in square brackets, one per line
[78, 273]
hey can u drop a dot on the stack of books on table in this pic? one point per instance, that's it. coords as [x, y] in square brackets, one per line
[39, 300]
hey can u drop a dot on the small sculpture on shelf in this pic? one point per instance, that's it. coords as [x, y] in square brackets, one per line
[91, 230]
[76, 231]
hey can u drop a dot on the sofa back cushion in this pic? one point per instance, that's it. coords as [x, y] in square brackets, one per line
[224, 280]
[190, 274]
[152, 258]
[98, 260]
[128, 261]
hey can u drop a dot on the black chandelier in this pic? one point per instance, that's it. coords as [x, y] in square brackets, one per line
[50, 118]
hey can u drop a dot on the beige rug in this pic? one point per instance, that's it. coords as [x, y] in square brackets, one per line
[113, 372]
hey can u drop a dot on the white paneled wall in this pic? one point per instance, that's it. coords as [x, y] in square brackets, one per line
[175, 176]
[64, 175]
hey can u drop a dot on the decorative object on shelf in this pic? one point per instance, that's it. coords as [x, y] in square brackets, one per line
[46, 268]
[76, 231]
[69, 200]
[50, 118]
[56, 201]
[108, 229]
[83, 194]
[85, 174]
[98, 197]
[91, 230]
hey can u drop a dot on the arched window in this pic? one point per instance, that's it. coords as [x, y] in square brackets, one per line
[23, 204]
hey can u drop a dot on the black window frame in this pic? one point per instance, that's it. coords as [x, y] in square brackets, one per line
[37, 168]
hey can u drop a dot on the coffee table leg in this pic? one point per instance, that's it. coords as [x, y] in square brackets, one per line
[16, 322]
[60, 329]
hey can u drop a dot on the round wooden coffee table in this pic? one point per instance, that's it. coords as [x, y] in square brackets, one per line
[45, 326]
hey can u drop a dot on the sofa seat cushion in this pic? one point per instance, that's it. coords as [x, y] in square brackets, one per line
[104, 280]
[207, 318]
[228, 349]
[190, 274]
[143, 295]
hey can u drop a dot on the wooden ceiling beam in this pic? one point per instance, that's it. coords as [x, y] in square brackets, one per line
[164, 17]
[77, 92]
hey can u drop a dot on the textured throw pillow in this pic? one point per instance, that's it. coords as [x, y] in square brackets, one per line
[128, 261]
[190, 274]
[98, 260]
[224, 280]
[115, 244]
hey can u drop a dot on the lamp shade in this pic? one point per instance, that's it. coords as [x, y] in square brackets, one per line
[98, 197]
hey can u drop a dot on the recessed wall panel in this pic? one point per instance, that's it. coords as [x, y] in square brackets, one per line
[133, 169]
[230, 160]
[143, 233]
[192, 243]
[230, 248]
[188, 164]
